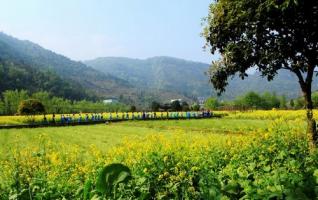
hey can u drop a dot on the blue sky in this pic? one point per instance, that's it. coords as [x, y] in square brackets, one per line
[86, 29]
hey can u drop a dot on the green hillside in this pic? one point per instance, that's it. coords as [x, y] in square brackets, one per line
[33, 55]
[189, 78]
[25, 65]
[164, 73]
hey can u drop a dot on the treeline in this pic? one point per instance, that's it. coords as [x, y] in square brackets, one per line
[10, 100]
[253, 100]
[174, 106]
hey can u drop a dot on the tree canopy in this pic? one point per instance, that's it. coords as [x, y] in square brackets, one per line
[268, 35]
[31, 107]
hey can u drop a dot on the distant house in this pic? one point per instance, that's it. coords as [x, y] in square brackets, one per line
[173, 100]
[201, 101]
[111, 100]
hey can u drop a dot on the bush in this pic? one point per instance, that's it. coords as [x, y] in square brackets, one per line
[31, 107]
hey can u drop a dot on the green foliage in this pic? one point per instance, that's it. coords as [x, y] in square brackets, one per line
[258, 101]
[110, 177]
[211, 103]
[292, 103]
[21, 76]
[185, 106]
[195, 107]
[283, 102]
[2, 108]
[155, 106]
[176, 106]
[31, 107]
[12, 98]
[263, 34]
[133, 108]
[53, 104]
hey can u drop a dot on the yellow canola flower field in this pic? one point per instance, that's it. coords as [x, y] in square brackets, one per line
[262, 164]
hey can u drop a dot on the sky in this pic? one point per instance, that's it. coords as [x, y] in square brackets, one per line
[86, 29]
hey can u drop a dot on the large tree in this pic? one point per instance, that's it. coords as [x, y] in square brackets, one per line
[268, 35]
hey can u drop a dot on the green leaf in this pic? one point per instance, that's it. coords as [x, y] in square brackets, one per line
[87, 189]
[231, 188]
[110, 176]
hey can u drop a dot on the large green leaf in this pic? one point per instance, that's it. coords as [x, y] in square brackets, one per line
[110, 176]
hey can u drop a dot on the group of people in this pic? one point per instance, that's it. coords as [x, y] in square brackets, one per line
[97, 117]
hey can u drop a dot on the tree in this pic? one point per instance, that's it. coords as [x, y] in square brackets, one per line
[185, 106]
[211, 103]
[282, 102]
[2, 108]
[195, 107]
[133, 108]
[155, 106]
[291, 103]
[43, 97]
[176, 106]
[31, 107]
[268, 35]
[12, 98]
[315, 100]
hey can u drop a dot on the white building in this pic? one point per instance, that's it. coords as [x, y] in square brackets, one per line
[112, 100]
[173, 100]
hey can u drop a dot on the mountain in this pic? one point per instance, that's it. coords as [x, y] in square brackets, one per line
[78, 74]
[163, 73]
[26, 65]
[188, 78]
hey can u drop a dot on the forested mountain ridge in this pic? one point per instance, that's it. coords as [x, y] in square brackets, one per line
[32, 55]
[163, 73]
[26, 65]
[19, 76]
[188, 78]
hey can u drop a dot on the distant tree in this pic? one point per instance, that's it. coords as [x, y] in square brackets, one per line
[195, 107]
[12, 98]
[2, 108]
[185, 106]
[155, 106]
[31, 107]
[270, 101]
[166, 106]
[283, 102]
[133, 108]
[268, 35]
[252, 100]
[211, 103]
[315, 100]
[291, 103]
[299, 103]
[45, 98]
[176, 106]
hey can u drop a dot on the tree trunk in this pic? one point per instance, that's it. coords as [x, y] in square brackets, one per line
[311, 123]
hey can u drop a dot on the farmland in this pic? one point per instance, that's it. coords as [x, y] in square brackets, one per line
[254, 155]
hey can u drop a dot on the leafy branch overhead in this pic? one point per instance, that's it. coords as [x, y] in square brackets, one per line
[266, 34]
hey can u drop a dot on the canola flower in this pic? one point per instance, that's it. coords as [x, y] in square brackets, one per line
[179, 165]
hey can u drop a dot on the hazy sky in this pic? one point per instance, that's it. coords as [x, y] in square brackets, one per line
[86, 29]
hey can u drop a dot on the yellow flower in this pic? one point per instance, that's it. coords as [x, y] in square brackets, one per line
[165, 159]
